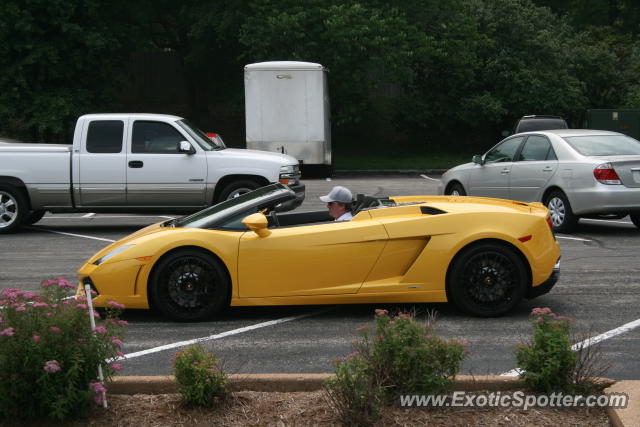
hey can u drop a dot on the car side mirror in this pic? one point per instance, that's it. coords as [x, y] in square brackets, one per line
[186, 147]
[477, 160]
[257, 223]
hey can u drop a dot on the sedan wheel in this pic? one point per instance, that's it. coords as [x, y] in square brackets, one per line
[560, 211]
[456, 190]
[487, 280]
[189, 285]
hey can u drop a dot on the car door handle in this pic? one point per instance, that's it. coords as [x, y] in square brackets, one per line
[547, 169]
[136, 164]
[504, 171]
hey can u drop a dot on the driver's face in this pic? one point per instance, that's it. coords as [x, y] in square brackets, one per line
[336, 209]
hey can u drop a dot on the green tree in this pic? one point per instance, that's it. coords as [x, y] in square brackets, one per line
[60, 58]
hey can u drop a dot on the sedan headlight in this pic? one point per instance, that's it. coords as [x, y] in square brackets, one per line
[289, 174]
[111, 254]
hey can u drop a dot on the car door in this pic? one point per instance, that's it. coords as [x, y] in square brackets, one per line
[101, 164]
[321, 259]
[536, 164]
[158, 174]
[491, 178]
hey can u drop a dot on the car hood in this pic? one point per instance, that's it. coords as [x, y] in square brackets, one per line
[151, 229]
[240, 154]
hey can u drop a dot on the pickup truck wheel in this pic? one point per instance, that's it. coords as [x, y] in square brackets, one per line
[33, 217]
[13, 208]
[487, 280]
[237, 188]
[189, 285]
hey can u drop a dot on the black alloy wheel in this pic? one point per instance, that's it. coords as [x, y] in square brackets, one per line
[189, 285]
[488, 279]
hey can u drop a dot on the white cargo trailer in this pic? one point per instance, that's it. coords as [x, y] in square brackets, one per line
[287, 111]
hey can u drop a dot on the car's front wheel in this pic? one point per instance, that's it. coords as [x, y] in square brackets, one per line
[563, 218]
[13, 208]
[237, 188]
[189, 285]
[635, 219]
[487, 279]
[456, 189]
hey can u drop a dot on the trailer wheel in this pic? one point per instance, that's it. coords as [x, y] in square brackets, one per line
[13, 208]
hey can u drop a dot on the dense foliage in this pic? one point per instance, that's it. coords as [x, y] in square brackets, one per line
[200, 380]
[416, 71]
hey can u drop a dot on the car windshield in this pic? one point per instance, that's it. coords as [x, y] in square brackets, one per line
[604, 145]
[269, 195]
[200, 137]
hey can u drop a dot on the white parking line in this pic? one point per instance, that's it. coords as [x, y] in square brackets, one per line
[606, 220]
[590, 341]
[573, 238]
[221, 335]
[428, 177]
[72, 234]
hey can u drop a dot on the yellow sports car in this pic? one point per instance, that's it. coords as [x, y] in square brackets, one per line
[485, 255]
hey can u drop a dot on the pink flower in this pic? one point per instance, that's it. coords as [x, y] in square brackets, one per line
[381, 312]
[98, 399]
[54, 329]
[116, 341]
[96, 315]
[539, 320]
[115, 304]
[123, 322]
[36, 338]
[116, 366]
[40, 304]
[120, 354]
[11, 294]
[82, 306]
[28, 295]
[48, 314]
[100, 329]
[21, 308]
[46, 283]
[8, 332]
[98, 387]
[52, 366]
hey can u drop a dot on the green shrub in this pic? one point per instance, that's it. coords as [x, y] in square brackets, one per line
[49, 355]
[200, 380]
[400, 356]
[548, 362]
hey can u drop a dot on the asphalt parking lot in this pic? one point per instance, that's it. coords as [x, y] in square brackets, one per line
[598, 288]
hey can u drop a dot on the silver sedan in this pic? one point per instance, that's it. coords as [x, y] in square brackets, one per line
[574, 172]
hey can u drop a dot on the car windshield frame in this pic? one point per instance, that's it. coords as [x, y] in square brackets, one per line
[264, 197]
[200, 137]
[592, 145]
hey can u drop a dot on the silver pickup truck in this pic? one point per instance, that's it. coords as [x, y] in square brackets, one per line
[132, 163]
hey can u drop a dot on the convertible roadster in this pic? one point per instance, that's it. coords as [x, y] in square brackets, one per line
[484, 255]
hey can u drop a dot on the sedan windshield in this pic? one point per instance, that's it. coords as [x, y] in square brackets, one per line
[604, 145]
[200, 137]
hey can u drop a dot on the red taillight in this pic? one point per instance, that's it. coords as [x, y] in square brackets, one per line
[605, 174]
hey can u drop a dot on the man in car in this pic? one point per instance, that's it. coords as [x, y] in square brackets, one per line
[339, 202]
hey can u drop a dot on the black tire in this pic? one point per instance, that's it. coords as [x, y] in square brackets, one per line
[236, 189]
[33, 217]
[13, 208]
[189, 285]
[456, 189]
[562, 216]
[487, 280]
[635, 219]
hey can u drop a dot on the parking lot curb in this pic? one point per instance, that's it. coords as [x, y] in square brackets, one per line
[626, 417]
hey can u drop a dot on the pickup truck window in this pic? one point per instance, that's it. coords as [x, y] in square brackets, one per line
[155, 137]
[105, 136]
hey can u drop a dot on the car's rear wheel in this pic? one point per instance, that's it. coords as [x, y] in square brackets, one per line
[487, 279]
[13, 208]
[189, 285]
[635, 219]
[563, 218]
[456, 189]
[237, 188]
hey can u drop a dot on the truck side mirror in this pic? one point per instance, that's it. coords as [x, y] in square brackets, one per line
[186, 147]
[257, 223]
[477, 159]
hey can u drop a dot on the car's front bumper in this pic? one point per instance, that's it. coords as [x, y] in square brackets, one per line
[545, 287]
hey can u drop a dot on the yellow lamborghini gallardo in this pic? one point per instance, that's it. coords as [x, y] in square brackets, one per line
[484, 255]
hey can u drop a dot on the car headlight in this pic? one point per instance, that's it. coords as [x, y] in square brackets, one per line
[289, 174]
[111, 254]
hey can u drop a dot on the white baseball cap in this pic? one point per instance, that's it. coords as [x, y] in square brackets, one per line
[338, 194]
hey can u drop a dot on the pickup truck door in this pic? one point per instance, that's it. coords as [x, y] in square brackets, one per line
[158, 174]
[101, 176]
